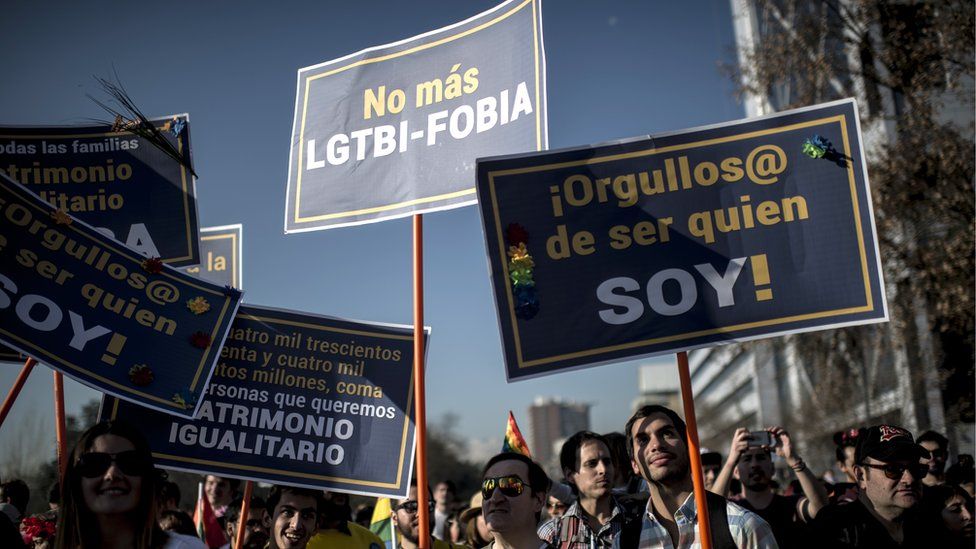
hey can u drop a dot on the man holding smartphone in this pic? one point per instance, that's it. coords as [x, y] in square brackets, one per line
[750, 461]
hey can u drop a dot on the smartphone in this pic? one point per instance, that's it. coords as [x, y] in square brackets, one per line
[762, 438]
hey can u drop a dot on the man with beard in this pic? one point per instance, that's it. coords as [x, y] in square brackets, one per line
[407, 522]
[595, 518]
[657, 441]
[292, 514]
[253, 524]
[751, 463]
[338, 531]
[889, 471]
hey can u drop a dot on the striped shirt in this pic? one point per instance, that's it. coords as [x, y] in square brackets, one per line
[747, 529]
[582, 536]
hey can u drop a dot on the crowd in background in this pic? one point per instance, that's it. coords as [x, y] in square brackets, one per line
[627, 490]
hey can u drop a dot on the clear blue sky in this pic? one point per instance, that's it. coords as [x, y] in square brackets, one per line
[616, 69]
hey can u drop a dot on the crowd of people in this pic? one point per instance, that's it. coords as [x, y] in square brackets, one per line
[621, 490]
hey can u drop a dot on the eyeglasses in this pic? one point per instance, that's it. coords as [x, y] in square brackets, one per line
[411, 506]
[95, 464]
[511, 486]
[555, 505]
[894, 471]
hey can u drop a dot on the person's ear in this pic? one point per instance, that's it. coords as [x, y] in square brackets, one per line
[539, 501]
[266, 519]
[570, 476]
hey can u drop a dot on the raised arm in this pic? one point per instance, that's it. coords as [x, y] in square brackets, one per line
[740, 441]
[813, 490]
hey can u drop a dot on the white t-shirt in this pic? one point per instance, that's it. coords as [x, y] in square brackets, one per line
[179, 541]
[440, 524]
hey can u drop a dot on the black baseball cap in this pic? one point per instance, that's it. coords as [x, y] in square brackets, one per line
[711, 459]
[888, 443]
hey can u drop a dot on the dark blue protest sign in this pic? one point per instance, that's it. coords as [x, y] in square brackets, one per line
[394, 130]
[220, 256]
[114, 180]
[298, 399]
[97, 311]
[683, 240]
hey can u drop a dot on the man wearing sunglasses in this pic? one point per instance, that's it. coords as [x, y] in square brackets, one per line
[514, 489]
[889, 471]
[406, 520]
[595, 518]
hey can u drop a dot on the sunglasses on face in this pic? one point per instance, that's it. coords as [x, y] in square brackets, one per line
[555, 505]
[95, 464]
[412, 506]
[510, 486]
[895, 471]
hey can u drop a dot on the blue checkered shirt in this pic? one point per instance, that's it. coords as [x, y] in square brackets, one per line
[747, 529]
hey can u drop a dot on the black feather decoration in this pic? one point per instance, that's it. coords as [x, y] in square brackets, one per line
[128, 118]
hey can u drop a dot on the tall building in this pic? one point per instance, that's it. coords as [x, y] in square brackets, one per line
[551, 422]
[895, 377]
[658, 383]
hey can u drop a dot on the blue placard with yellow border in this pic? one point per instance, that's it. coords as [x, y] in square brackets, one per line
[115, 180]
[221, 251]
[682, 240]
[298, 399]
[393, 130]
[102, 314]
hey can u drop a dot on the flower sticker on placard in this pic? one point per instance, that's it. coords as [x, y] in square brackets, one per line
[141, 375]
[198, 305]
[61, 217]
[200, 340]
[152, 265]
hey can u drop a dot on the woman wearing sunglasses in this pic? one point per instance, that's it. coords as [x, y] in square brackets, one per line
[108, 500]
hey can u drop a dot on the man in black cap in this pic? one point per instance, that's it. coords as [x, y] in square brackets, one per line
[889, 470]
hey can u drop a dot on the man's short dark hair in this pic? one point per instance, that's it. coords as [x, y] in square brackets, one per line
[177, 521]
[932, 436]
[647, 411]
[278, 489]
[450, 485]
[538, 479]
[569, 454]
[234, 483]
[233, 512]
[170, 490]
[17, 492]
[54, 493]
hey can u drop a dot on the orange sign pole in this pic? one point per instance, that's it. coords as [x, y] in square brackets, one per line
[8, 402]
[245, 509]
[59, 422]
[419, 384]
[694, 453]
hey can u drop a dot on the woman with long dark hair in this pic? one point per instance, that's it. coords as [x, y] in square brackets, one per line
[109, 492]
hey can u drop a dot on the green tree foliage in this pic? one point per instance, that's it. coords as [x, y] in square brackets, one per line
[910, 64]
